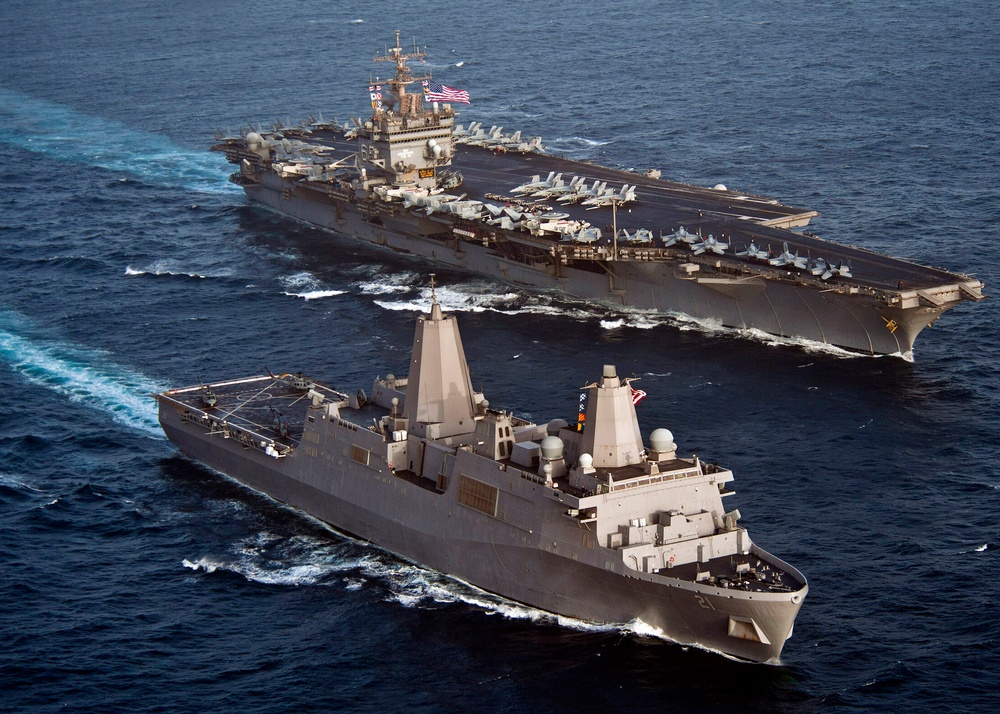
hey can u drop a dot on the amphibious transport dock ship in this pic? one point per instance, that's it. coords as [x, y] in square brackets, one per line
[408, 178]
[583, 521]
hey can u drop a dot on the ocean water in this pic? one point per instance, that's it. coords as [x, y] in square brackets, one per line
[132, 579]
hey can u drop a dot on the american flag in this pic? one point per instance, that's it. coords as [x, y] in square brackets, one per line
[637, 395]
[439, 93]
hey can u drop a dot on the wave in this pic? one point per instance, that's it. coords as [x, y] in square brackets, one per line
[271, 559]
[305, 285]
[83, 375]
[399, 283]
[574, 147]
[301, 560]
[638, 320]
[315, 294]
[164, 268]
[578, 141]
[485, 298]
[64, 134]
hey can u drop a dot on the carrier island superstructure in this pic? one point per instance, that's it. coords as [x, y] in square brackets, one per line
[410, 179]
[581, 520]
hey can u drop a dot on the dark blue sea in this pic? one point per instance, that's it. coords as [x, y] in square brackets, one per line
[133, 579]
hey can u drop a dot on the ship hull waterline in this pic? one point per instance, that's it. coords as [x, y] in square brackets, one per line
[851, 322]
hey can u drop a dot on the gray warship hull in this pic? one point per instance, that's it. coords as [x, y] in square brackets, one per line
[881, 316]
[781, 308]
[583, 521]
[528, 557]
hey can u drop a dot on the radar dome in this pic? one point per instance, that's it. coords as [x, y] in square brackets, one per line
[586, 461]
[661, 440]
[720, 187]
[552, 447]
[555, 425]
[253, 138]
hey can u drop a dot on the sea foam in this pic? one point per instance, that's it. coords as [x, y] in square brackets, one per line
[81, 374]
[64, 134]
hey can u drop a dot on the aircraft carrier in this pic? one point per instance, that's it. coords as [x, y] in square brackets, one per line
[410, 179]
[581, 520]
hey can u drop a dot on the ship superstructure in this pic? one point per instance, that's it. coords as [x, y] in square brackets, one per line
[585, 521]
[410, 179]
[406, 143]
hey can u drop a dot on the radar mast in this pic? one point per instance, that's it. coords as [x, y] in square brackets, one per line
[405, 145]
[409, 104]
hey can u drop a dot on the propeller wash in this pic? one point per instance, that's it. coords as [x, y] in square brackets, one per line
[396, 179]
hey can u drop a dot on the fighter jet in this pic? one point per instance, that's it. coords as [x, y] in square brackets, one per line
[584, 235]
[559, 188]
[681, 235]
[473, 136]
[709, 244]
[318, 122]
[582, 193]
[641, 236]
[285, 127]
[468, 210]
[536, 183]
[429, 202]
[754, 252]
[507, 224]
[480, 138]
[352, 133]
[607, 197]
[825, 270]
[500, 140]
[228, 136]
[499, 213]
[786, 258]
[819, 267]
[533, 144]
[461, 133]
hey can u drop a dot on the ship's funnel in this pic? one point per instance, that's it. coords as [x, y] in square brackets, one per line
[611, 434]
[439, 399]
